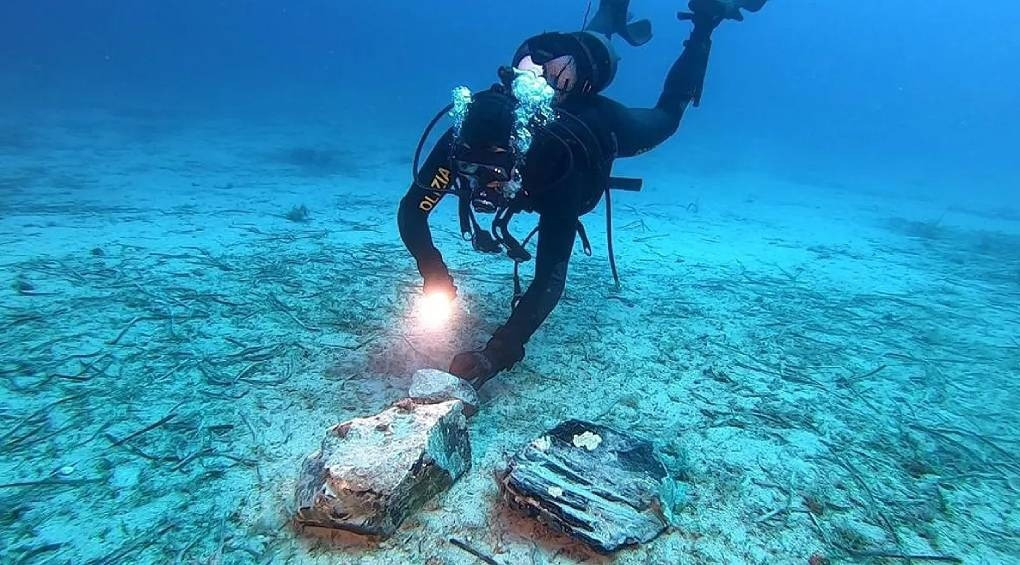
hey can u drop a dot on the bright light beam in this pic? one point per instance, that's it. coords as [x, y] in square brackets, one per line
[435, 309]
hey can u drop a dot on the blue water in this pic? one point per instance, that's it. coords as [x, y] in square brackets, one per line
[845, 199]
[922, 92]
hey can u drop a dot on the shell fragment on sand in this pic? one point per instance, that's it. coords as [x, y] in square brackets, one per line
[587, 440]
[604, 492]
[429, 386]
[372, 473]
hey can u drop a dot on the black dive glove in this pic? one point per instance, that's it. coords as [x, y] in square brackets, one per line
[438, 279]
[477, 367]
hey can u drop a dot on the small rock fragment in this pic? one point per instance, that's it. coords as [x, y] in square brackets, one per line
[429, 386]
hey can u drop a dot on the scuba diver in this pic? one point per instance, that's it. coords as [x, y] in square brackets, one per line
[544, 140]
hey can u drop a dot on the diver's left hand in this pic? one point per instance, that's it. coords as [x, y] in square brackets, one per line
[477, 367]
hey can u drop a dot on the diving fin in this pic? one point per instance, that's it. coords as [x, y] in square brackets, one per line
[612, 18]
[752, 5]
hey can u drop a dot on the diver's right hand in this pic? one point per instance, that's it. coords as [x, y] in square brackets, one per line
[435, 276]
[440, 283]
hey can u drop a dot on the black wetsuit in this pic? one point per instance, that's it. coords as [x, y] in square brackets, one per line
[620, 131]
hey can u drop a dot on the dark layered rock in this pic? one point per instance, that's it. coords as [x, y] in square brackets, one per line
[593, 483]
[372, 473]
[429, 386]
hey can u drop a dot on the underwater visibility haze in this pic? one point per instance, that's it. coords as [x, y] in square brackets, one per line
[214, 251]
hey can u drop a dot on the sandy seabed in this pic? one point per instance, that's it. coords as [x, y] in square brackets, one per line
[831, 371]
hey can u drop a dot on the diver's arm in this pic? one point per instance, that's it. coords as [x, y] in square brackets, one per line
[556, 233]
[640, 129]
[413, 216]
[413, 222]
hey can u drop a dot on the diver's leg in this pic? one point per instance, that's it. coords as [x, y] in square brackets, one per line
[686, 78]
[640, 129]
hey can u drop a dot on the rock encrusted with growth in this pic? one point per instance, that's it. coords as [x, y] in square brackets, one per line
[372, 473]
[429, 386]
[593, 483]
